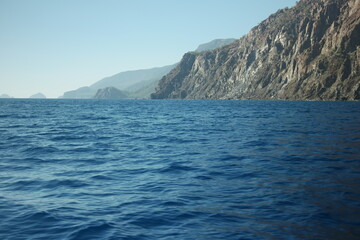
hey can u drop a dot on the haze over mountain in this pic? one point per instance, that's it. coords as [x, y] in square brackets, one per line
[308, 52]
[133, 80]
[83, 92]
[139, 83]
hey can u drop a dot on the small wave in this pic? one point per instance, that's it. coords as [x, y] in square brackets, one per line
[41, 216]
[256, 143]
[40, 150]
[10, 167]
[150, 222]
[173, 203]
[26, 185]
[68, 137]
[81, 149]
[65, 183]
[15, 126]
[99, 230]
[231, 157]
[101, 177]
[32, 160]
[29, 185]
[23, 116]
[69, 126]
[98, 118]
[13, 138]
[176, 167]
[203, 177]
[216, 174]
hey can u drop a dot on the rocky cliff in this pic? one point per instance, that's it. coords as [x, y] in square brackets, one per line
[308, 52]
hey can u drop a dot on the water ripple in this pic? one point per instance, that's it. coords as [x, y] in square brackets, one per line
[90, 169]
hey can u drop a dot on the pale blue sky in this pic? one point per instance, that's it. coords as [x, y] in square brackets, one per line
[52, 46]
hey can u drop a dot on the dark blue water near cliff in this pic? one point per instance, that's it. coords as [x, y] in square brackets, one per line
[143, 169]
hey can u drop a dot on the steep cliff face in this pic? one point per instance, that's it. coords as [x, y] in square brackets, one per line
[308, 52]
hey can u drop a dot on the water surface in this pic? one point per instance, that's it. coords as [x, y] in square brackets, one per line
[148, 169]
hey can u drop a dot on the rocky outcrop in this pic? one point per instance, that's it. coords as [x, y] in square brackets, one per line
[308, 52]
[110, 93]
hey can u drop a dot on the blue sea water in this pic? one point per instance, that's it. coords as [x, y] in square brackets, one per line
[168, 169]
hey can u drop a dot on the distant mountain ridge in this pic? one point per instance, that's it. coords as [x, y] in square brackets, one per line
[80, 93]
[122, 81]
[127, 79]
[139, 83]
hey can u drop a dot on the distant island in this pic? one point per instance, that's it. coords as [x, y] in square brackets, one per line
[5, 96]
[308, 52]
[38, 95]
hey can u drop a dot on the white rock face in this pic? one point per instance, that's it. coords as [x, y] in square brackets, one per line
[308, 52]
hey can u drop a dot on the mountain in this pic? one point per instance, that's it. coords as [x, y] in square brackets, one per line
[214, 44]
[4, 96]
[83, 92]
[308, 52]
[146, 90]
[38, 95]
[129, 80]
[150, 85]
[139, 83]
[110, 93]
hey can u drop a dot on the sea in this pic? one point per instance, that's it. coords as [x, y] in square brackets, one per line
[179, 169]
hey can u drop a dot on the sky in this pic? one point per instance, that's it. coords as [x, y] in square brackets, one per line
[53, 46]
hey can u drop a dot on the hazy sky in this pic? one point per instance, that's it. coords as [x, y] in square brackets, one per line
[53, 46]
